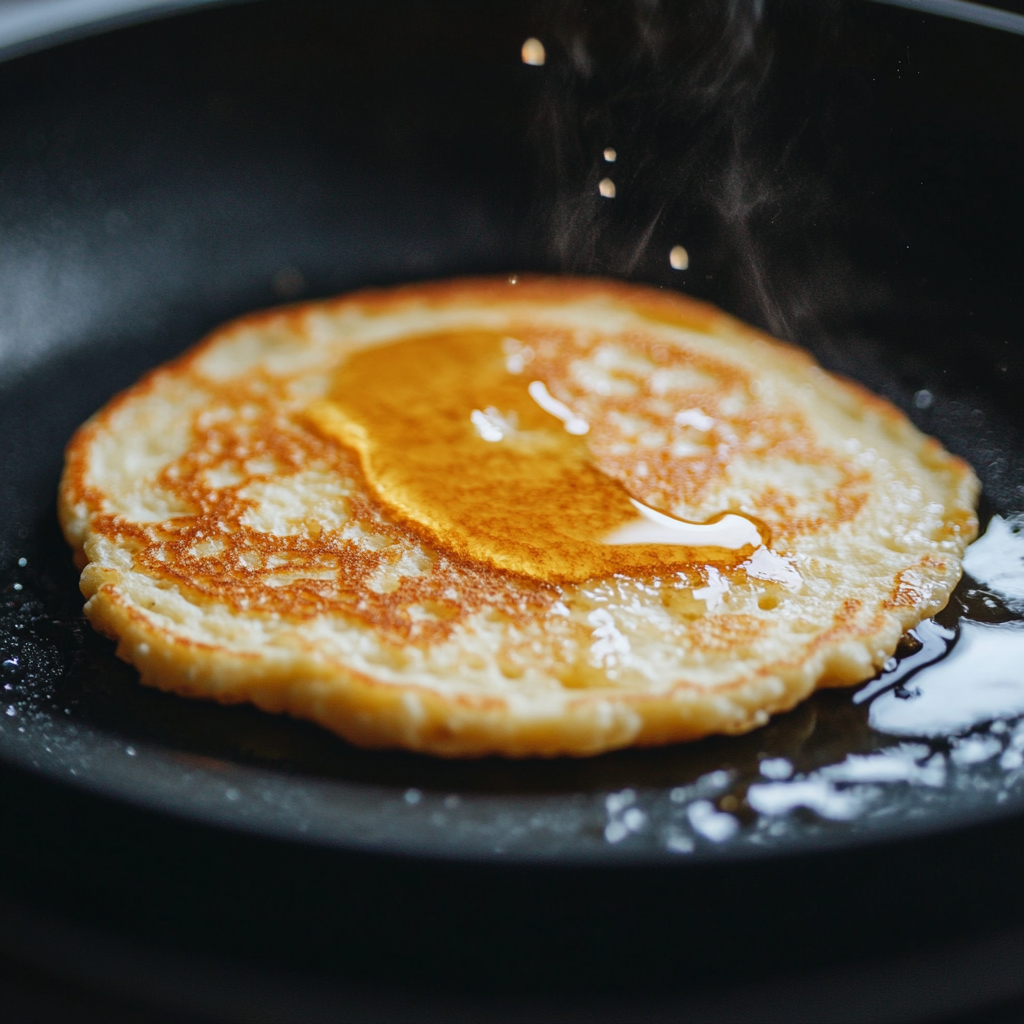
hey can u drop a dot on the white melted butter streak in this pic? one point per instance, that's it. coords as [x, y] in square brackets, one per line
[767, 565]
[997, 560]
[654, 527]
[713, 595]
[492, 424]
[981, 679]
[573, 423]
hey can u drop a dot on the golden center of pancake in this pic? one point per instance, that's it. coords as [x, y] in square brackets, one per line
[455, 438]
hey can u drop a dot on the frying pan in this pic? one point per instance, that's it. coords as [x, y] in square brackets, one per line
[843, 174]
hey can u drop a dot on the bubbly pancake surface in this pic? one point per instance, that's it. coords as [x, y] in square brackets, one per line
[554, 517]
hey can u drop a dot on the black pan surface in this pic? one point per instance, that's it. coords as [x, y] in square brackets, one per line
[843, 174]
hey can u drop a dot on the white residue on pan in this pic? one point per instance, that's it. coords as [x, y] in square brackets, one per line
[776, 768]
[861, 787]
[838, 792]
[818, 795]
[708, 821]
[907, 762]
[624, 817]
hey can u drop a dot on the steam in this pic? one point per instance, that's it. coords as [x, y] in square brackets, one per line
[712, 188]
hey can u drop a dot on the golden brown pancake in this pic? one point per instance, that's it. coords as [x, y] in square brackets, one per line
[547, 517]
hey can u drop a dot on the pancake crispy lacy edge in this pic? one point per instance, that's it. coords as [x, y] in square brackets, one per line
[374, 712]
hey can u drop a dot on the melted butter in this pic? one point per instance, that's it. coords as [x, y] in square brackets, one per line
[996, 560]
[497, 469]
[978, 681]
[969, 675]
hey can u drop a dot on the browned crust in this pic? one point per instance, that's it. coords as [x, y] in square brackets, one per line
[372, 713]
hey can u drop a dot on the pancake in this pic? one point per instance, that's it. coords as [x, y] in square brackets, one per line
[522, 516]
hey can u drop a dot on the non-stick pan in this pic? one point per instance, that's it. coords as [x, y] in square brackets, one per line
[846, 175]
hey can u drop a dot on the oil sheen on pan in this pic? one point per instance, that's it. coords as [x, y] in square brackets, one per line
[516, 516]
